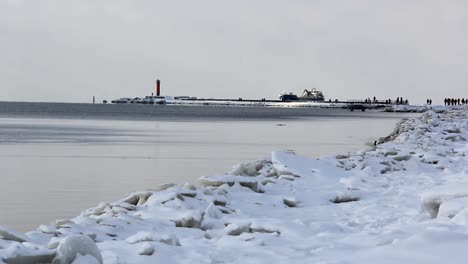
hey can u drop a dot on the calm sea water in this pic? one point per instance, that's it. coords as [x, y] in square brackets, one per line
[55, 168]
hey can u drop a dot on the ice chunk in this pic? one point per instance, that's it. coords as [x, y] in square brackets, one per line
[145, 236]
[85, 259]
[73, 247]
[402, 157]
[236, 229]
[452, 207]
[9, 234]
[431, 201]
[290, 202]
[230, 180]
[145, 249]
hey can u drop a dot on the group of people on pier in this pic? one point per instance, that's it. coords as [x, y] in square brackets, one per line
[401, 101]
[455, 101]
[398, 101]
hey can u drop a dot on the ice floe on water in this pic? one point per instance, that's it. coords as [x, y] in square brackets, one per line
[404, 200]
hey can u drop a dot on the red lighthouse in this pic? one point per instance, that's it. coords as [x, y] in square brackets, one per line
[158, 87]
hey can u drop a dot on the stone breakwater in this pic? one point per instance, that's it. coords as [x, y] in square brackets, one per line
[392, 203]
[185, 110]
[148, 112]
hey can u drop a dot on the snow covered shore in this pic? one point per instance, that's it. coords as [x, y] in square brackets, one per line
[403, 201]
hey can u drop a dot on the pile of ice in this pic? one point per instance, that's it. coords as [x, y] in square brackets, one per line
[403, 201]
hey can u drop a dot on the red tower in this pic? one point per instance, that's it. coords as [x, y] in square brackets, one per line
[158, 87]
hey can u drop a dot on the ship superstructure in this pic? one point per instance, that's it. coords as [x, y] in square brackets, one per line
[307, 95]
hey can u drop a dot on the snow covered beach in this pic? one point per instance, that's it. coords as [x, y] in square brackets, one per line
[400, 202]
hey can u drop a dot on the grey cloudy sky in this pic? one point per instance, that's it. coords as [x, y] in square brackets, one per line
[70, 50]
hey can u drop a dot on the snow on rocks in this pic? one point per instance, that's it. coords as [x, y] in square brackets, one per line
[77, 249]
[404, 196]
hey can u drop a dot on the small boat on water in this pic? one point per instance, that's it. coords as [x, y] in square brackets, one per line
[307, 95]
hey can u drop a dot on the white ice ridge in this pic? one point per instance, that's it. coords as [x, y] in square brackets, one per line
[403, 201]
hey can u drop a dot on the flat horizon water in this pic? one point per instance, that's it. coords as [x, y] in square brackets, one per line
[56, 168]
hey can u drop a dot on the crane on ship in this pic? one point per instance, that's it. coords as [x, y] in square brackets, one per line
[312, 94]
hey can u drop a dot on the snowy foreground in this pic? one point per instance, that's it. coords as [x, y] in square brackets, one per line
[404, 201]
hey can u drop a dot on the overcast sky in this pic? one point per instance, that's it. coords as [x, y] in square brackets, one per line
[70, 50]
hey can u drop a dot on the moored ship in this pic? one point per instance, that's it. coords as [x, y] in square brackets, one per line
[307, 95]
